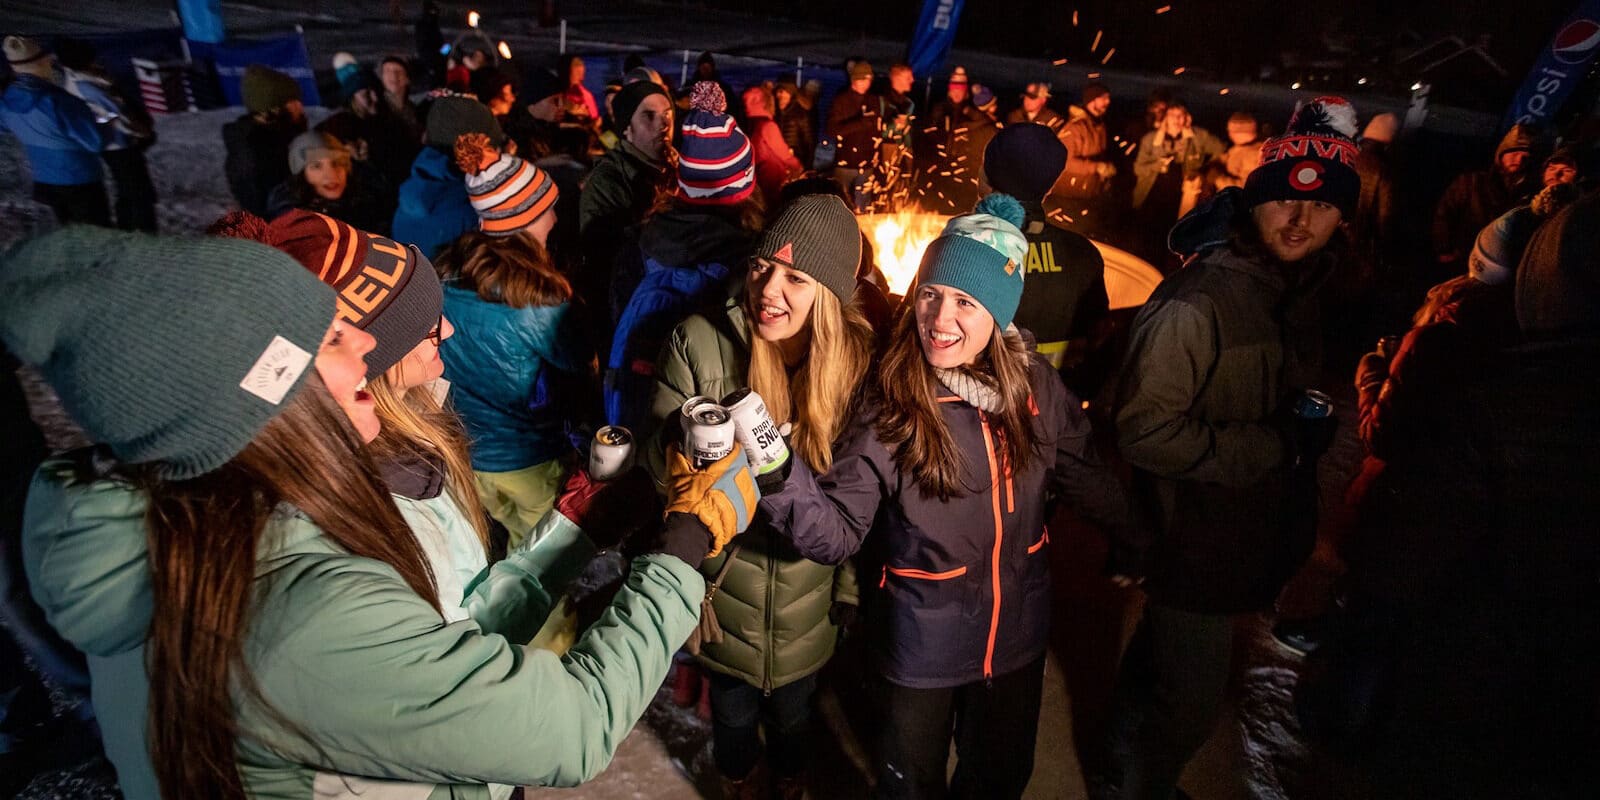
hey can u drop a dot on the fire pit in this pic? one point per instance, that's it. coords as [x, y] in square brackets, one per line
[899, 239]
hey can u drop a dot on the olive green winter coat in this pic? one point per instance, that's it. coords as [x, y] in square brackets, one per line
[773, 605]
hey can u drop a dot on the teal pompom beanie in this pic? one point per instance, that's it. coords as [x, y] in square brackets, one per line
[982, 254]
[169, 351]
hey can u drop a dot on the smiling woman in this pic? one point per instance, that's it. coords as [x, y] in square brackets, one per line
[946, 465]
[798, 337]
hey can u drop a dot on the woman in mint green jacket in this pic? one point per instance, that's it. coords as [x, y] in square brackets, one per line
[240, 537]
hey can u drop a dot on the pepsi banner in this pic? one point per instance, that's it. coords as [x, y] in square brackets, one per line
[935, 32]
[1559, 68]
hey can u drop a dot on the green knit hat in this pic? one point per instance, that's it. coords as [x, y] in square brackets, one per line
[817, 235]
[167, 350]
[264, 89]
[982, 254]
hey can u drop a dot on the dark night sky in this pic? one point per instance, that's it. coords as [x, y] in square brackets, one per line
[1227, 37]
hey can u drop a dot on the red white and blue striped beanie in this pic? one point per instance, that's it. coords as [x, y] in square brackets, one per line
[716, 165]
[507, 192]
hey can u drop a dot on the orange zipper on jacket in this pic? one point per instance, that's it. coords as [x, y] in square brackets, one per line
[999, 537]
[925, 575]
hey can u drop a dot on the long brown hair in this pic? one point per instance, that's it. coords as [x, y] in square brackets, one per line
[817, 398]
[749, 214]
[910, 421]
[203, 536]
[415, 425]
[512, 270]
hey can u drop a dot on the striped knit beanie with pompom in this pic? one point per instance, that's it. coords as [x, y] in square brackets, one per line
[507, 192]
[716, 165]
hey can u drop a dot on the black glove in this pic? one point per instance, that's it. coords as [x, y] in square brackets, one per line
[686, 537]
[1313, 437]
[843, 615]
[608, 511]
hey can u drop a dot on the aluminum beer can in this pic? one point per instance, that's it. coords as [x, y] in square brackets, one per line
[1314, 405]
[757, 433]
[708, 431]
[611, 453]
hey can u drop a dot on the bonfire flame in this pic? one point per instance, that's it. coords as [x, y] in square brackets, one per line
[898, 241]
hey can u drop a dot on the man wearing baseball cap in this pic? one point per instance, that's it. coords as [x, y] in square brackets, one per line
[1035, 108]
[853, 121]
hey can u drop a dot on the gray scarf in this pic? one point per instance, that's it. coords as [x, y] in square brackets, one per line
[979, 390]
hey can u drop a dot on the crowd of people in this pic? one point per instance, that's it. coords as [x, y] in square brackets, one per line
[337, 494]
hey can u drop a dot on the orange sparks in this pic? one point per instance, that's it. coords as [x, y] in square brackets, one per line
[1096, 45]
[1074, 17]
[1093, 75]
[1223, 90]
[1163, 10]
[1109, 54]
[1058, 62]
[1180, 70]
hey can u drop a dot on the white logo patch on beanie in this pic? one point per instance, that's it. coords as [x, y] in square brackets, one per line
[279, 366]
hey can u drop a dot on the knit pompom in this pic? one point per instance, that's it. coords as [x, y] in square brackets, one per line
[1003, 206]
[1553, 198]
[1324, 115]
[342, 59]
[708, 96]
[240, 225]
[474, 152]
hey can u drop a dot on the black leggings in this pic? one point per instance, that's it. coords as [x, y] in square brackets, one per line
[739, 711]
[995, 725]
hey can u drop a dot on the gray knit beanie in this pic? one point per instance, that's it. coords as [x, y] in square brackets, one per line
[816, 235]
[312, 145]
[176, 351]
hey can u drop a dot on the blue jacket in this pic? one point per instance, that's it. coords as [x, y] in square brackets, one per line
[434, 210]
[57, 130]
[494, 363]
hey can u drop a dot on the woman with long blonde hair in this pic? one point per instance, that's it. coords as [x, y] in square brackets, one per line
[797, 336]
[950, 465]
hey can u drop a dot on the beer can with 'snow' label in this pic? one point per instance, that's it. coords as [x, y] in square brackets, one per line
[708, 431]
[611, 452]
[757, 433]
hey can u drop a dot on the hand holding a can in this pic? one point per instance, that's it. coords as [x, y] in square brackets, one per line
[607, 509]
[761, 438]
[1311, 427]
[722, 494]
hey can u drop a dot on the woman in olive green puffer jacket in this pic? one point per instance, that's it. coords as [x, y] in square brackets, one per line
[773, 605]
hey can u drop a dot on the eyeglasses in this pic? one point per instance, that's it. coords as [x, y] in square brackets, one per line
[437, 334]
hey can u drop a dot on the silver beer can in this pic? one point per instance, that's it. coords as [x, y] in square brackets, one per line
[611, 453]
[757, 433]
[708, 431]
